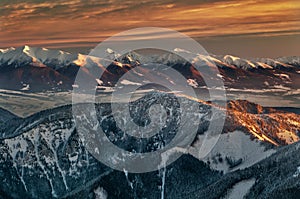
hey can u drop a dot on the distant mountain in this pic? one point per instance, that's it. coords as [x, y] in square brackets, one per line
[36, 56]
[43, 157]
[36, 69]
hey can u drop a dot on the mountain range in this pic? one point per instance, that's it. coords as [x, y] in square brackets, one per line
[40, 69]
[45, 149]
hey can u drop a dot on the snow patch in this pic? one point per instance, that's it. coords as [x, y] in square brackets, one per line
[81, 60]
[127, 82]
[265, 66]
[110, 51]
[192, 83]
[137, 73]
[100, 82]
[297, 173]
[266, 83]
[240, 189]
[25, 88]
[281, 87]
[181, 50]
[283, 76]
[100, 193]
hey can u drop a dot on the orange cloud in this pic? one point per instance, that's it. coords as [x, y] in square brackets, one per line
[84, 22]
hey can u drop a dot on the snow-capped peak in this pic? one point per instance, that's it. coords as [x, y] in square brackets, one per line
[231, 57]
[26, 49]
[240, 63]
[42, 56]
[6, 50]
[181, 50]
[292, 60]
[110, 51]
[111, 54]
[56, 58]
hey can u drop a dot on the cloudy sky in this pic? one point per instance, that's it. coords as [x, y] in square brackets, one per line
[249, 28]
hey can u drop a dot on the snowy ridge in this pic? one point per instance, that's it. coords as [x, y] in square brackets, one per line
[37, 69]
[28, 54]
[58, 57]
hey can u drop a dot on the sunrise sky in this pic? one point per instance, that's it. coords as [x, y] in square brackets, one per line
[249, 28]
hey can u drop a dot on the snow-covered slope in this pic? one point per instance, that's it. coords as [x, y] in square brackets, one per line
[273, 177]
[235, 150]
